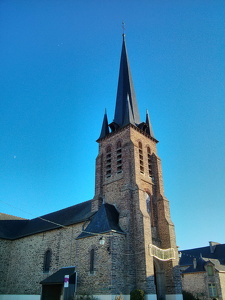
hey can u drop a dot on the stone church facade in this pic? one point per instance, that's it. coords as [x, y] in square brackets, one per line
[122, 239]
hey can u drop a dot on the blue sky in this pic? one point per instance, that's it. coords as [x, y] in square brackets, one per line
[59, 63]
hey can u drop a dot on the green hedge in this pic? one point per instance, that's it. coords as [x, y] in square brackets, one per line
[137, 295]
[188, 296]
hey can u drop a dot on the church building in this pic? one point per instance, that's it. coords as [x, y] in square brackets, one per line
[121, 240]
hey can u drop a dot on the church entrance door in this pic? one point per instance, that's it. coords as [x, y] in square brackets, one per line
[159, 281]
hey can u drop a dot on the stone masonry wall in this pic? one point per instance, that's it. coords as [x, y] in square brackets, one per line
[222, 284]
[164, 226]
[197, 284]
[24, 264]
[22, 268]
[127, 191]
[5, 256]
[109, 276]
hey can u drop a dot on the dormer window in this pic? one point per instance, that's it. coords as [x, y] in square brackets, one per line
[119, 157]
[210, 270]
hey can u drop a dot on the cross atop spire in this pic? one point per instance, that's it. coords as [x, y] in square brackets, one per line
[123, 28]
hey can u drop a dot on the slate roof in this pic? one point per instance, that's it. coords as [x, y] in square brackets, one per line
[9, 217]
[125, 91]
[105, 220]
[219, 266]
[105, 127]
[149, 125]
[203, 256]
[14, 229]
[200, 266]
[58, 277]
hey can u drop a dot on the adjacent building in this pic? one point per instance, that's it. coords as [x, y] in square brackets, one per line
[203, 271]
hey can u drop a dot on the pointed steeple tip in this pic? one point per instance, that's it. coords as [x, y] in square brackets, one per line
[149, 125]
[105, 126]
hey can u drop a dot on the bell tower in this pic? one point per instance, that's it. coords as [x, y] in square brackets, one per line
[129, 177]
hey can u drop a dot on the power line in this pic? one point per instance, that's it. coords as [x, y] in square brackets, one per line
[43, 219]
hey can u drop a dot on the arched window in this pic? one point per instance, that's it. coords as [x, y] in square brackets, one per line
[141, 157]
[47, 261]
[150, 208]
[119, 157]
[108, 161]
[92, 258]
[148, 203]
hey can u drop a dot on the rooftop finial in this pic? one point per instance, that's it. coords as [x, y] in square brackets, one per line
[123, 29]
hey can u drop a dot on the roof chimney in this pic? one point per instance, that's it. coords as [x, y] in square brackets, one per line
[212, 246]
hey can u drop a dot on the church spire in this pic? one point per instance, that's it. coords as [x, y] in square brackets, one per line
[126, 110]
[125, 92]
